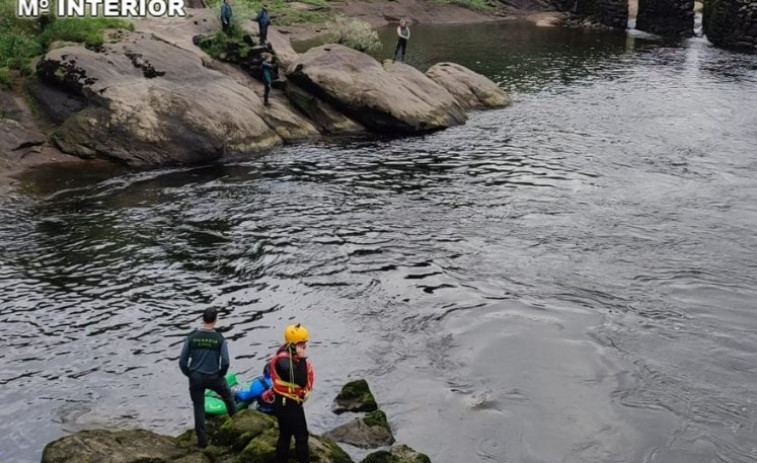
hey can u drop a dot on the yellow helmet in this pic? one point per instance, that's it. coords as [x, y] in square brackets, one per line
[294, 334]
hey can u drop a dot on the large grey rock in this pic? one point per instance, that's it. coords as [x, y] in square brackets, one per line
[471, 90]
[323, 115]
[369, 432]
[397, 99]
[249, 436]
[151, 103]
[18, 131]
[132, 446]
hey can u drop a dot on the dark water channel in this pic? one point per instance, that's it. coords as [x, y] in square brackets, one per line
[571, 279]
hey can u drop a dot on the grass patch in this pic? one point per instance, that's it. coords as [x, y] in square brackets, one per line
[480, 5]
[23, 39]
[5, 77]
[89, 31]
[282, 13]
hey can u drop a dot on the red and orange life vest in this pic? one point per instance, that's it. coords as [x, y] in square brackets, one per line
[288, 389]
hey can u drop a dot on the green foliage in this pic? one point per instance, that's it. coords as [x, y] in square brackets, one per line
[353, 33]
[83, 30]
[282, 12]
[5, 77]
[471, 4]
[23, 39]
[16, 50]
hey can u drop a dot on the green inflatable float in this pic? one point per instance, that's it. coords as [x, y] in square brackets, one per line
[214, 404]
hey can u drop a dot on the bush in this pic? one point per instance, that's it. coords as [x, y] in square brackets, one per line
[5, 77]
[353, 33]
[16, 50]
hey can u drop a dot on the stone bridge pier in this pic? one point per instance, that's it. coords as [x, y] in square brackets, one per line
[669, 18]
[731, 23]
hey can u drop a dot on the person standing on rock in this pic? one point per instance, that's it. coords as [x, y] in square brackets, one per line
[403, 35]
[293, 378]
[226, 16]
[264, 20]
[205, 360]
[267, 66]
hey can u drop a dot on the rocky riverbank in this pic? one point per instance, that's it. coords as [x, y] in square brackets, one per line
[248, 436]
[152, 97]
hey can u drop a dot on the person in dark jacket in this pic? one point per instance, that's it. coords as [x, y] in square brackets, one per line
[205, 360]
[264, 20]
[267, 66]
[226, 16]
[293, 378]
[403, 35]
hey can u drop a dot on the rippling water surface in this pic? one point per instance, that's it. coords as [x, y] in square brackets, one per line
[569, 279]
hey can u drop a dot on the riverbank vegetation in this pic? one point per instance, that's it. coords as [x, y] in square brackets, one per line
[23, 39]
[283, 13]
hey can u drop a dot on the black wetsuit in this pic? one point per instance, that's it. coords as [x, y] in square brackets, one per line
[290, 413]
[402, 44]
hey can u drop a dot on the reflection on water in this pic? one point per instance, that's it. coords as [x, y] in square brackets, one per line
[568, 279]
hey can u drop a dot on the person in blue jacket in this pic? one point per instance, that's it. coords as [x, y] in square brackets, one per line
[226, 16]
[264, 20]
[257, 390]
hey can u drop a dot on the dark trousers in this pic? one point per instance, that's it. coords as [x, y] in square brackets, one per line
[266, 92]
[401, 46]
[197, 385]
[225, 24]
[291, 416]
[263, 34]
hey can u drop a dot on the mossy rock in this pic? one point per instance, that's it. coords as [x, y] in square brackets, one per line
[325, 450]
[242, 428]
[262, 449]
[369, 432]
[377, 418]
[398, 454]
[355, 396]
[130, 446]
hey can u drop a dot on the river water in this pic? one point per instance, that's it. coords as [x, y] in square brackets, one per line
[570, 279]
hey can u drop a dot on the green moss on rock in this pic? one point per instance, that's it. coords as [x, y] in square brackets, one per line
[355, 396]
[376, 418]
[242, 428]
[262, 449]
[398, 454]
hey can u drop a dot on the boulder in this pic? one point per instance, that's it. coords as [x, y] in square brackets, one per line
[371, 431]
[355, 396]
[249, 436]
[322, 114]
[394, 100]
[246, 425]
[131, 446]
[398, 454]
[471, 90]
[18, 131]
[151, 103]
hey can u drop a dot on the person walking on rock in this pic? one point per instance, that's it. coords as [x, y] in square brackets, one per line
[403, 35]
[264, 20]
[267, 66]
[293, 378]
[205, 360]
[226, 16]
